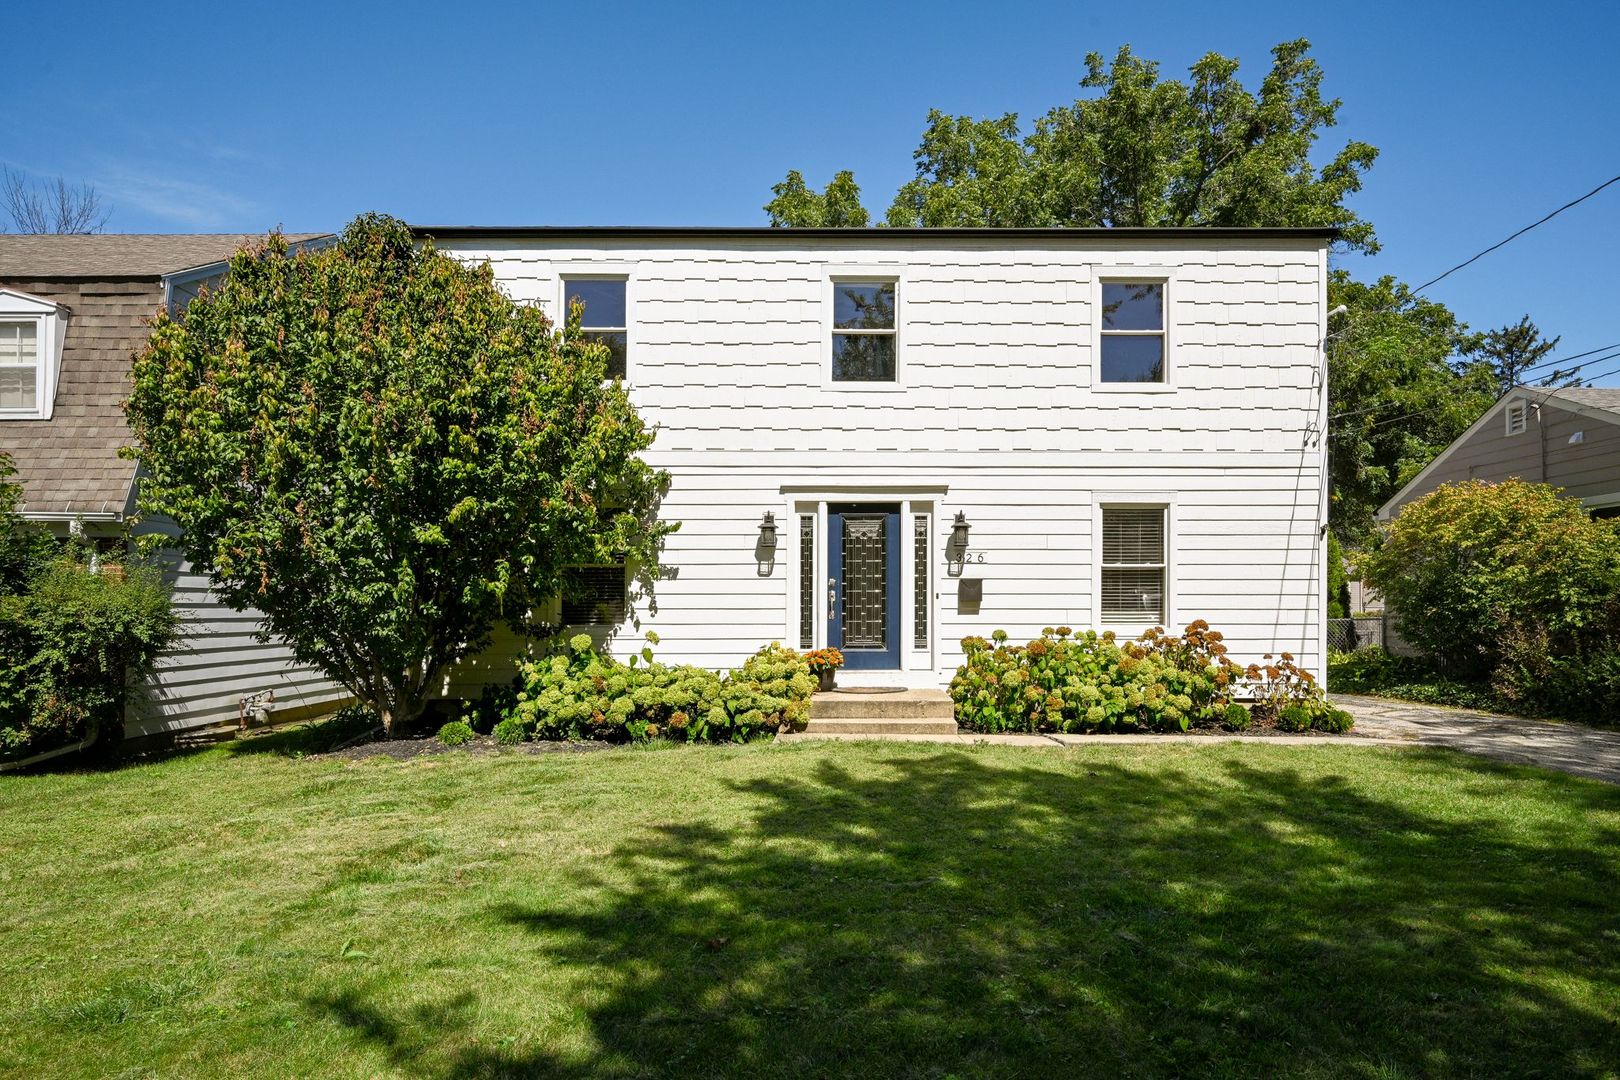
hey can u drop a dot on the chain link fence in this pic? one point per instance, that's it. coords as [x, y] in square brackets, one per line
[1348, 635]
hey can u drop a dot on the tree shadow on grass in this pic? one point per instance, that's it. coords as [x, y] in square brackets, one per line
[951, 915]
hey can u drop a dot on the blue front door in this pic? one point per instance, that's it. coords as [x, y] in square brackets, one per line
[863, 562]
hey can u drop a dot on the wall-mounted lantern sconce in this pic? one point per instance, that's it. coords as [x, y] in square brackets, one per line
[956, 549]
[765, 549]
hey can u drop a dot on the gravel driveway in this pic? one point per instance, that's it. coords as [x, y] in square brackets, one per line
[1571, 748]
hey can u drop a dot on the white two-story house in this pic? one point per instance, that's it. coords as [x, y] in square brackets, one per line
[883, 440]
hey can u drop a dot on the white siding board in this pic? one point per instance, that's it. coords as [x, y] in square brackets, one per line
[217, 662]
[998, 405]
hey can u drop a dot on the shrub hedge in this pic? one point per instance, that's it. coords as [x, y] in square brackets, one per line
[579, 693]
[70, 643]
[1067, 682]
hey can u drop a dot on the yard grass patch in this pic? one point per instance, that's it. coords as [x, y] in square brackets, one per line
[813, 909]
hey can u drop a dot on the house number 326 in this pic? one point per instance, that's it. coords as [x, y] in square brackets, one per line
[974, 557]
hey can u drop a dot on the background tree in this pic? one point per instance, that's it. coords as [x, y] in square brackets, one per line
[1511, 351]
[797, 206]
[1143, 152]
[1401, 387]
[52, 206]
[378, 449]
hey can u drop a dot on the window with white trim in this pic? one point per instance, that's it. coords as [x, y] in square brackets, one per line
[1133, 342]
[1517, 418]
[596, 596]
[1133, 564]
[19, 366]
[605, 317]
[863, 333]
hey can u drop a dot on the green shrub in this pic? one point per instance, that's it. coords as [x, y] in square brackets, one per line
[1235, 717]
[1295, 717]
[70, 644]
[510, 732]
[1333, 721]
[1469, 561]
[579, 693]
[456, 733]
[771, 691]
[1070, 682]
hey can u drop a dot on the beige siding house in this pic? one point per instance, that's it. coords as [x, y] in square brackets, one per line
[73, 310]
[1568, 438]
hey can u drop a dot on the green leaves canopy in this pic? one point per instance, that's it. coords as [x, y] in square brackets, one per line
[1401, 388]
[383, 453]
[1142, 152]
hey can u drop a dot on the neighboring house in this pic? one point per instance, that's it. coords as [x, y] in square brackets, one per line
[1568, 438]
[886, 439]
[73, 310]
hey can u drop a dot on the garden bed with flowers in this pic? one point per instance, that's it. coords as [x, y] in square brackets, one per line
[1089, 682]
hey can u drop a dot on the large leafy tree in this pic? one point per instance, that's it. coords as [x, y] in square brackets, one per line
[798, 205]
[1402, 385]
[382, 452]
[1140, 151]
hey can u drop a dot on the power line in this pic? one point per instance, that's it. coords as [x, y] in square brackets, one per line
[1567, 359]
[1515, 236]
[1597, 360]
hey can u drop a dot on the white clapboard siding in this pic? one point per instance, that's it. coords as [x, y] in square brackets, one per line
[998, 415]
[218, 661]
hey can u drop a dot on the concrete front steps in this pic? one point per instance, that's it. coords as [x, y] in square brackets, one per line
[908, 712]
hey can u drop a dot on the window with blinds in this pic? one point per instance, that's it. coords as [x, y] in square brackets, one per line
[807, 581]
[596, 597]
[1133, 564]
[19, 365]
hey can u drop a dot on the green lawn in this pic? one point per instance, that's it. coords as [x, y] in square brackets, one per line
[813, 910]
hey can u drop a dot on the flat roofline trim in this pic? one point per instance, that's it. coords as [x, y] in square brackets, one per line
[763, 232]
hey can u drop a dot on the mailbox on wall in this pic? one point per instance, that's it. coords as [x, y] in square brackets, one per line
[969, 595]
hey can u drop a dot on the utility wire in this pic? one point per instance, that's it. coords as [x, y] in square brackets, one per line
[1515, 236]
[1597, 360]
[1567, 359]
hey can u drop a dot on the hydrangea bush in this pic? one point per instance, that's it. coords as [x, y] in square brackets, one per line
[1091, 682]
[580, 693]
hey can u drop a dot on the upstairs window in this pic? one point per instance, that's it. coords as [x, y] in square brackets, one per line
[1133, 564]
[604, 319]
[597, 597]
[1133, 332]
[32, 330]
[1518, 418]
[19, 366]
[863, 340]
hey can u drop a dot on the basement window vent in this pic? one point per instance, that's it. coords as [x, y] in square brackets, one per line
[1518, 419]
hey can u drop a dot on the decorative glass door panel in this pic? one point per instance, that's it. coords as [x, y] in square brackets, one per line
[863, 561]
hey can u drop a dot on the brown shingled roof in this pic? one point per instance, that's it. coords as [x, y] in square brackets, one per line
[117, 256]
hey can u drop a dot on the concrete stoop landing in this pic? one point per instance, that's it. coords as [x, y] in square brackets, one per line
[908, 712]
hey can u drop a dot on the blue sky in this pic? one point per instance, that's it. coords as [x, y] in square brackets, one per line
[239, 117]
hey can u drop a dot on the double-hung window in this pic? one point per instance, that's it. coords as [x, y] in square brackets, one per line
[863, 339]
[604, 319]
[1133, 345]
[19, 366]
[32, 329]
[1133, 564]
[596, 596]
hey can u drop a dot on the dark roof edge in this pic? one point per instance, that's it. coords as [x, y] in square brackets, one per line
[761, 232]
